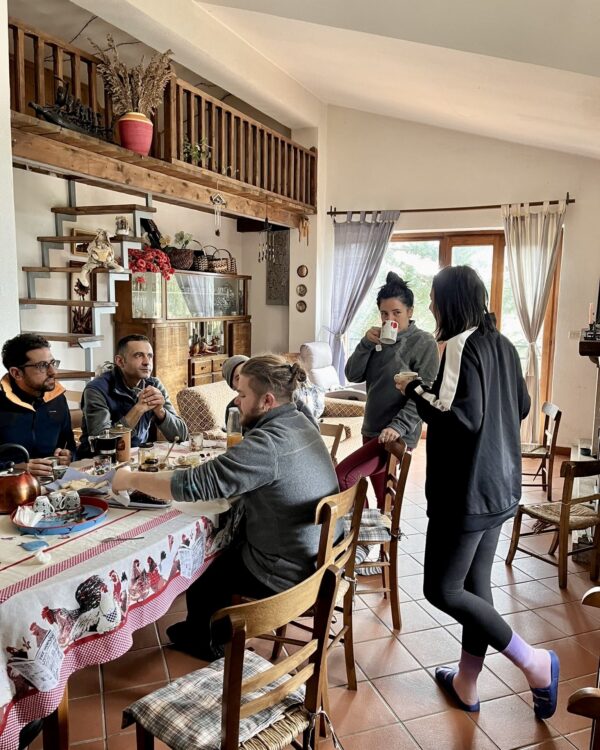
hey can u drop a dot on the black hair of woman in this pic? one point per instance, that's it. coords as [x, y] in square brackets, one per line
[459, 302]
[396, 288]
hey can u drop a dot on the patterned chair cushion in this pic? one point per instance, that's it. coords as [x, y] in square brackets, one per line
[186, 714]
[203, 406]
[341, 407]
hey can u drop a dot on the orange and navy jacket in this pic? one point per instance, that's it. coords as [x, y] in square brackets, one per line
[41, 425]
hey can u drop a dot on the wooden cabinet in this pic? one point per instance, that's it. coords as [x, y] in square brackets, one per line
[170, 312]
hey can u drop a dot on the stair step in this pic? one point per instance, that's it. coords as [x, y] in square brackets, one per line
[127, 208]
[75, 375]
[70, 338]
[81, 238]
[67, 269]
[65, 302]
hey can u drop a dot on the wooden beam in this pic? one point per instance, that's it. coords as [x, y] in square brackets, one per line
[36, 150]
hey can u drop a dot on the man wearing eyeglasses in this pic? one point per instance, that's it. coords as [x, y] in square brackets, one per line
[33, 408]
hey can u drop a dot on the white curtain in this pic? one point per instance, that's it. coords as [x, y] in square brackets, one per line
[359, 247]
[532, 237]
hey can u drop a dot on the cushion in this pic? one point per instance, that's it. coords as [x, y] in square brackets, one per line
[316, 355]
[186, 714]
[313, 396]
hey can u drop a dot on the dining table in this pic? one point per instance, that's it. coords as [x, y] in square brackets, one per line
[79, 603]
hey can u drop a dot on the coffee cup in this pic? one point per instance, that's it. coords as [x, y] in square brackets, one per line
[389, 332]
[57, 501]
[43, 505]
[58, 472]
[71, 500]
[405, 375]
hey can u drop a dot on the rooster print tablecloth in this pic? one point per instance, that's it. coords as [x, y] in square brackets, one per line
[83, 606]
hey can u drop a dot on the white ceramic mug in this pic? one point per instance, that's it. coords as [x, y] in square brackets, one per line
[389, 332]
[71, 500]
[43, 505]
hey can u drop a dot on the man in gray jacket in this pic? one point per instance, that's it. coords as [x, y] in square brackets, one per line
[129, 395]
[282, 469]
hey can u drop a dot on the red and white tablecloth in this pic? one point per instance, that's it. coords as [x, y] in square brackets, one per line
[83, 607]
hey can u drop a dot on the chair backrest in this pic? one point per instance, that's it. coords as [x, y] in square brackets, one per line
[551, 424]
[335, 431]
[203, 406]
[397, 467]
[233, 626]
[572, 470]
[342, 551]
[317, 359]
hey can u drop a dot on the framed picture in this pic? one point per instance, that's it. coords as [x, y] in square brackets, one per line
[80, 318]
[81, 249]
[278, 271]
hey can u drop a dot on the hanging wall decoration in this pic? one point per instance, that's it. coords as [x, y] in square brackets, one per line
[278, 270]
[301, 290]
[301, 306]
[302, 271]
[219, 203]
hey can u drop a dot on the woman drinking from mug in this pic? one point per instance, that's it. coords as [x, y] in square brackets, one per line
[473, 413]
[388, 414]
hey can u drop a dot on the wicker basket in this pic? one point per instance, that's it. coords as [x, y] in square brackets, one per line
[222, 265]
[200, 261]
[182, 258]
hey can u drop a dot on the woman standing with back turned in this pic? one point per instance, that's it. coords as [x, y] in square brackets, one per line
[473, 412]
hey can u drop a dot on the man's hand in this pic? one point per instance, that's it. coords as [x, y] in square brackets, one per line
[39, 467]
[122, 479]
[154, 400]
[388, 435]
[64, 456]
[373, 334]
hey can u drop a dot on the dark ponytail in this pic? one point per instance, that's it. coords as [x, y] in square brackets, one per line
[396, 288]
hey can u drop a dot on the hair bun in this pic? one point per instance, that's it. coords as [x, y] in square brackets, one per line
[393, 278]
[297, 373]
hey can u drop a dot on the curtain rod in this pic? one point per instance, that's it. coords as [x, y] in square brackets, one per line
[333, 211]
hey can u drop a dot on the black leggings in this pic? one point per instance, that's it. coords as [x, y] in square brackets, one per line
[458, 567]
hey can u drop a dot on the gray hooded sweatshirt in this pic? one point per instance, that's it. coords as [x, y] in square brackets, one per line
[282, 469]
[414, 350]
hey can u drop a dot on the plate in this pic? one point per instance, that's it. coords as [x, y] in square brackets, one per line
[93, 509]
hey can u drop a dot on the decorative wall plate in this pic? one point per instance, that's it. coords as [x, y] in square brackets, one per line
[301, 305]
[302, 271]
[301, 290]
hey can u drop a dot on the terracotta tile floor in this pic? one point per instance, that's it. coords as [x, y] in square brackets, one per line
[397, 705]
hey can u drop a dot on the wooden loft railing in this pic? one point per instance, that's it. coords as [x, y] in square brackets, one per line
[245, 155]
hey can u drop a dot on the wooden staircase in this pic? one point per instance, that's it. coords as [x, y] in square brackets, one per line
[60, 241]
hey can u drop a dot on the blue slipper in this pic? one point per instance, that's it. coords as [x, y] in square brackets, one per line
[544, 699]
[444, 676]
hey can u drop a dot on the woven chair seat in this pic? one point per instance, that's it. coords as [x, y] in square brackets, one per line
[580, 516]
[186, 714]
[533, 450]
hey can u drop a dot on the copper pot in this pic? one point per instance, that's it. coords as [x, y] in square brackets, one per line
[17, 486]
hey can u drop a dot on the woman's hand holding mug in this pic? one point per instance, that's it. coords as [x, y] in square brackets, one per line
[373, 334]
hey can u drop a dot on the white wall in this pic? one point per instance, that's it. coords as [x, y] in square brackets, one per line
[35, 194]
[378, 162]
[9, 305]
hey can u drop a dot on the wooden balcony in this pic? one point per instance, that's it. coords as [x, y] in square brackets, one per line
[260, 168]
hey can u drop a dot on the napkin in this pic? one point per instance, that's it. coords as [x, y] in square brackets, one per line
[26, 516]
[72, 474]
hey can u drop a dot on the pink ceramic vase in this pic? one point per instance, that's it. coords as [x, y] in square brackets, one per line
[135, 132]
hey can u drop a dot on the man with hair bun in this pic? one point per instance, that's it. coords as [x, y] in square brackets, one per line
[281, 469]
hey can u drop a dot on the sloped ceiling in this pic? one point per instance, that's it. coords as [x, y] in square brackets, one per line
[527, 72]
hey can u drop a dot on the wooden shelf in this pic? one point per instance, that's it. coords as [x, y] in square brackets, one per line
[65, 302]
[69, 338]
[69, 269]
[75, 375]
[128, 208]
[81, 238]
[212, 274]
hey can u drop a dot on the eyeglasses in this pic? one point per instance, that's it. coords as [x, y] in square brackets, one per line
[42, 366]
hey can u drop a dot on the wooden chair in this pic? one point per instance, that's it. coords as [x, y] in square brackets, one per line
[383, 528]
[337, 546]
[246, 682]
[563, 518]
[544, 451]
[336, 431]
[586, 701]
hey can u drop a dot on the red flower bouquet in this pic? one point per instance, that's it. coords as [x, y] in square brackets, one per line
[150, 260]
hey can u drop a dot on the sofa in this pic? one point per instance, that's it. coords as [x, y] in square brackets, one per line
[203, 408]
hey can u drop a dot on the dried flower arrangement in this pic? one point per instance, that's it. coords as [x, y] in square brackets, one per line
[149, 260]
[139, 89]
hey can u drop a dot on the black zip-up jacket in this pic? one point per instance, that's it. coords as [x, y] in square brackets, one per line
[473, 413]
[41, 425]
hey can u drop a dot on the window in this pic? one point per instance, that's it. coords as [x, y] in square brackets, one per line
[417, 258]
